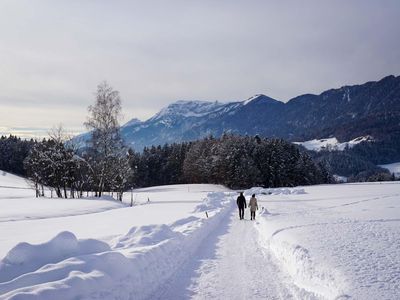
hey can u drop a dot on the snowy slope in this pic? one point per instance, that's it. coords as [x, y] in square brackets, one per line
[8, 180]
[332, 143]
[187, 109]
[393, 168]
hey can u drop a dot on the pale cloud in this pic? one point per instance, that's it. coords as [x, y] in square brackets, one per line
[34, 132]
[54, 53]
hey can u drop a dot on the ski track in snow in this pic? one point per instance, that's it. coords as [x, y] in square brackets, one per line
[230, 264]
[332, 223]
[361, 201]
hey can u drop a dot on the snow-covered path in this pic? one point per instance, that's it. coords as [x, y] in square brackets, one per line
[314, 243]
[230, 264]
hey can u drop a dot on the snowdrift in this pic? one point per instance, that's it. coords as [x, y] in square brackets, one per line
[336, 241]
[274, 191]
[309, 276]
[25, 257]
[132, 267]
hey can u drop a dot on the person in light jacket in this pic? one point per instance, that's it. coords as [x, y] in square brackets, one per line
[253, 206]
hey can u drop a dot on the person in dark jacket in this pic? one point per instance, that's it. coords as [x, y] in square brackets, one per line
[241, 203]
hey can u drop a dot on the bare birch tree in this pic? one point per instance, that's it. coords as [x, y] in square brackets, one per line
[106, 145]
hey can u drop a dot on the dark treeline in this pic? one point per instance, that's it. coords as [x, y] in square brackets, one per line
[379, 152]
[234, 161]
[354, 167]
[57, 165]
[159, 165]
[13, 151]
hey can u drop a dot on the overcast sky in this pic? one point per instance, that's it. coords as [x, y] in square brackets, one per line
[54, 53]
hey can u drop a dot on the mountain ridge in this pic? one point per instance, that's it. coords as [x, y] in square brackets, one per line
[348, 112]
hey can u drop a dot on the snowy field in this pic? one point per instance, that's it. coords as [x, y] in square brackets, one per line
[318, 242]
[337, 240]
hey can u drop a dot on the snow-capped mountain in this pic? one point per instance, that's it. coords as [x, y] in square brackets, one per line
[371, 109]
[189, 120]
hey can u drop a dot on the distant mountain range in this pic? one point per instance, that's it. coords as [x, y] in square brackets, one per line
[370, 109]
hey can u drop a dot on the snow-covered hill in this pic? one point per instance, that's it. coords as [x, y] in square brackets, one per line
[332, 143]
[186, 241]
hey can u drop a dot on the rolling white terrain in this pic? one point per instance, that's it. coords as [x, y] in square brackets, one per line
[316, 242]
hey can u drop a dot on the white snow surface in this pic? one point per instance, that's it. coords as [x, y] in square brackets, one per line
[337, 241]
[332, 143]
[189, 109]
[8, 180]
[393, 168]
[18, 203]
[251, 99]
[340, 179]
[132, 122]
[317, 242]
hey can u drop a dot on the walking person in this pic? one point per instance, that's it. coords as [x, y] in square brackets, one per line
[241, 203]
[253, 206]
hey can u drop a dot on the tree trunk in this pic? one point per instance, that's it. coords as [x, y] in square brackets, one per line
[37, 190]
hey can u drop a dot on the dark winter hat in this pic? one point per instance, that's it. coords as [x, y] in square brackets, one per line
[254, 195]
